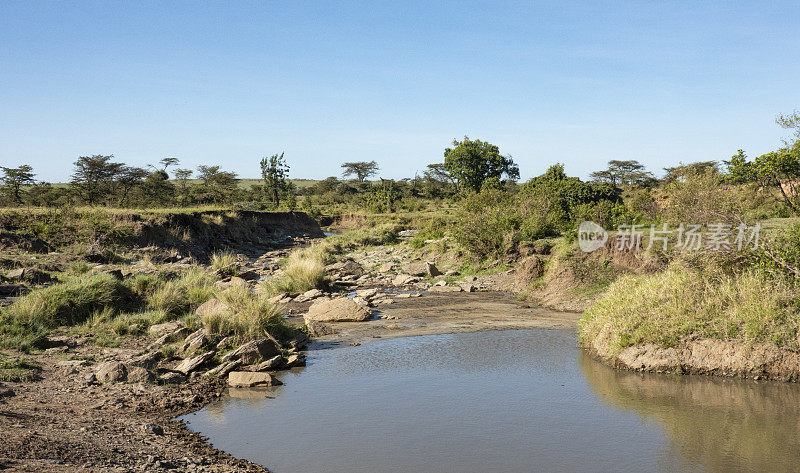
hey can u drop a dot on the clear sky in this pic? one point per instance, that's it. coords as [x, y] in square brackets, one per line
[228, 82]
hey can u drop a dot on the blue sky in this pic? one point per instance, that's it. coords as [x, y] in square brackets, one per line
[228, 82]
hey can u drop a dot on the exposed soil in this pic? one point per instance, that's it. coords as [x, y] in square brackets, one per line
[437, 313]
[60, 423]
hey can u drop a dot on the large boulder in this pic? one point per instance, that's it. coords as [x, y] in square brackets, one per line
[337, 310]
[190, 364]
[29, 274]
[111, 372]
[250, 379]
[425, 268]
[255, 351]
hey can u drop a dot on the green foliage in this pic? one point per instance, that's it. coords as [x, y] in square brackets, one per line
[247, 317]
[70, 302]
[631, 173]
[472, 162]
[184, 294]
[274, 172]
[17, 369]
[361, 170]
[681, 305]
[225, 262]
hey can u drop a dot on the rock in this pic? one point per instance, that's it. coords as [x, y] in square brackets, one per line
[237, 281]
[468, 288]
[225, 343]
[250, 275]
[137, 374]
[153, 429]
[280, 299]
[116, 273]
[169, 338]
[403, 279]
[470, 279]
[161, 329]
[111, 372]
[367, 293]
[337, 310]
[529, 270]
[351, 268]
[386, 267]
[210, 307]
[30, 275]
[407, 233]
[194, 341]
[298, 342]
[440, 283]
[254, 351]
[12, 290]
[445, 289]
[295, 360]
[432, 270]
[416, 269]
[250, 379]
[171, 377]
[147, 360]
[383, 301]
[89, 379]
[190, 364]
[272, 364]
[318, 329]
[308, 295]
[224, 368]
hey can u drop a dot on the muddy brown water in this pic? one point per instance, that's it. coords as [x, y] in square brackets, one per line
[501, 401]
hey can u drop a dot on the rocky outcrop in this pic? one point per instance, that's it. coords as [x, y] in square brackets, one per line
[251, 379]
[337, 310]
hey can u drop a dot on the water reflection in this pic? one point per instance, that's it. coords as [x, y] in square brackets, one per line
[726, 425]
[514, 401]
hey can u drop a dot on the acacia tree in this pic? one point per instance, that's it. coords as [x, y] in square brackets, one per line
[629, 172]
[217, 185]
[14, 178]
[274, 172]
[474, 162]
[93, 177]
[360, 169]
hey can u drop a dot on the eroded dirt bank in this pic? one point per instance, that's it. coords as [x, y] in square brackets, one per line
[710, 357]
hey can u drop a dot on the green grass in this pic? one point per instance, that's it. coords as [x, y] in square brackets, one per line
[17, 369]
[183, 294]
[248, 316]
[304, 270]
[225, 262]
[681, 305]
[70, 302]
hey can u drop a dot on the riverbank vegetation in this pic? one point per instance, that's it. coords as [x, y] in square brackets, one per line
[469, 209]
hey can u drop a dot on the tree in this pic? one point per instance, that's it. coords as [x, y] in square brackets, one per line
[471, 163]
[630, 172]
[93, 177]
[127, 178]
[14, 178]
[361, 169]
[274, 171]
[740, 171]
[681, 171]
[217, 185]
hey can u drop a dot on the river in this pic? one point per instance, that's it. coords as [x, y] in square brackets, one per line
[501, 401]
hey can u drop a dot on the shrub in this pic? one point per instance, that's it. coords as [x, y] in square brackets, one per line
[681, 304]
[225, 263]
[15, 369]
[184, 294]
[303, 271]
[71, 302]
[248, 316]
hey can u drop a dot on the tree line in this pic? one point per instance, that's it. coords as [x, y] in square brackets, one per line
[467, 166]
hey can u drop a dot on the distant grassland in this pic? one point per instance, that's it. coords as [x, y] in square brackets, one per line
[243, 183]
